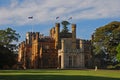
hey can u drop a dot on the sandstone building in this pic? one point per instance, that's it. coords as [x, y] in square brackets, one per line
[59, 50]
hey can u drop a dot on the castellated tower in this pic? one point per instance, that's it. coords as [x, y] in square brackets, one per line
[29, 37]
[57, 37]
[70, 55]
[35, 50]
[74, 36]
[52, 32]
[37, 36]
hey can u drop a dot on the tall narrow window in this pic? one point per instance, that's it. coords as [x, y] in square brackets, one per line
[74, 61]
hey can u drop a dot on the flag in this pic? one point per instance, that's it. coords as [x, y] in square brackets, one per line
[30, 17]
[57, 17]
[70, 18]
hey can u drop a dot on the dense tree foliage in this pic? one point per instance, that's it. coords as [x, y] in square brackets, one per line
[7, 47]
[65, 28]
[106, 39]
[118, 52]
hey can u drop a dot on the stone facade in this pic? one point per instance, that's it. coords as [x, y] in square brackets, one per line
[59, 50]
[70, 57]
[39, 52]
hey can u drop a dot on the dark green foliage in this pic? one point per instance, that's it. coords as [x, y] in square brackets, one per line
[7, 48]
[106, 39]
[7, 37]
[118, 52]
[7, 57]
[65, 28]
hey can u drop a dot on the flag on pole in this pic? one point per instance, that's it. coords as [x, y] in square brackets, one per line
[70, 18]
[30, 17]
[57, 17]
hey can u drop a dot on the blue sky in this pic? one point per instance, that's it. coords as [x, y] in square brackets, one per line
[87, 14]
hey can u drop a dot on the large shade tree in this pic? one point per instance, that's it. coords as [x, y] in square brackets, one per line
[8, 37]
[106, 39]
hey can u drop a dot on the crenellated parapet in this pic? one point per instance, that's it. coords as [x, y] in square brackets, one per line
[58, 35]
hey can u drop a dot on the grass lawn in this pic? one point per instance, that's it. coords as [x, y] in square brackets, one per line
[59, 75]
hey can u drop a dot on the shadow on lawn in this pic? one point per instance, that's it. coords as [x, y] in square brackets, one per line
[53, 77]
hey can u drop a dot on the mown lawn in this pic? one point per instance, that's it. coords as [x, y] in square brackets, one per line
[59, 75]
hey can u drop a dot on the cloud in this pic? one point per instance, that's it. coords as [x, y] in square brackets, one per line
[18, 11]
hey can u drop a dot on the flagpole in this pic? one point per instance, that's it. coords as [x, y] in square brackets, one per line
[57, 19]
[30, 18]
[70, 19]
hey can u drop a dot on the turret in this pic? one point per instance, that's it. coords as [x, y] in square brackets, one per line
[52, 32]
[57, 38]
[73, 36]
[28, 37]
[37, 36]
[82, 45]
[33, 36]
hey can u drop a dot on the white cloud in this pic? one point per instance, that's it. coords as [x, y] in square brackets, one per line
[47, 10]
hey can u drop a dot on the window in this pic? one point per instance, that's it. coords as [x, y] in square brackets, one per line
[74, 60]
[70, 61]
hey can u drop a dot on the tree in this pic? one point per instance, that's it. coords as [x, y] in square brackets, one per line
[106, 39]
[7, 37]
[7, 57]
[118, 52]
[65, 28]
[7, 47]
